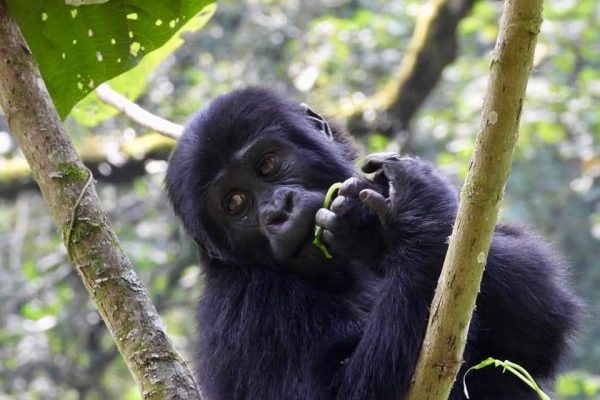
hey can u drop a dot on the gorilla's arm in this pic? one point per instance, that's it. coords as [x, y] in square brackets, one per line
[415, 215]
[523, 311]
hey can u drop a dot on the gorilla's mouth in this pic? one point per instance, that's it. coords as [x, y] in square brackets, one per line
[304, 244]
[297, 239]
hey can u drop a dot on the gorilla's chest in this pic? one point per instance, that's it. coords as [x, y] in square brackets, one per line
[278, 331]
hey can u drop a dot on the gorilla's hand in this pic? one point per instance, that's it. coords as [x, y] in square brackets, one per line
[416, 200]
[352, 231]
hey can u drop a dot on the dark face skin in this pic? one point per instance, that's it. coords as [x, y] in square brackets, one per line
[262, 196]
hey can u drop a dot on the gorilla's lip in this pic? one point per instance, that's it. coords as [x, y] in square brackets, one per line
[300, 244]
[305, 241]
[303, 244]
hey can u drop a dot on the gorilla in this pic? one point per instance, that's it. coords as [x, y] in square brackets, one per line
[279, 320]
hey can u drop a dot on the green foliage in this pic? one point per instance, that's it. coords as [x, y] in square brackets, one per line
[377, 143]
[370, 41]
[80, 44]
[578, 385]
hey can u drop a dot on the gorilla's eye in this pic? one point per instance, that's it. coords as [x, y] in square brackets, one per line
[234, 203]
[268, 165]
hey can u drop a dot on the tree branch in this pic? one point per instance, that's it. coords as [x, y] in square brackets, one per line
[120, 297]
[454, 300]
[432, 47]
[115, 163]
[137, 113]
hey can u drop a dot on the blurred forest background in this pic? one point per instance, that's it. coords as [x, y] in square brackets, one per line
[341, 57]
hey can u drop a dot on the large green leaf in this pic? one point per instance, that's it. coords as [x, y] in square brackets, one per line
[91, 110]
[78, 44]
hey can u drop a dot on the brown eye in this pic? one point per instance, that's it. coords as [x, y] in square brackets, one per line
[234, 203]
[268, 165]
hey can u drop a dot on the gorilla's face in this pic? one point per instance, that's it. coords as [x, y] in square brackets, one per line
[249, 174]
[262, 196]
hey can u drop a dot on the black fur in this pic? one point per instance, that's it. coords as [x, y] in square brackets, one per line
[277, 323]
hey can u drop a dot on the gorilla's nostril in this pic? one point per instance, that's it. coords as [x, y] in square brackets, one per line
[277, 218]
[289, 203]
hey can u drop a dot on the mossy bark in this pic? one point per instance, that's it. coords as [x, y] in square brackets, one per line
[93, 247]
[454, 300]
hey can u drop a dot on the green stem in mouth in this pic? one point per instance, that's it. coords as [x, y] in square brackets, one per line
[318, 229]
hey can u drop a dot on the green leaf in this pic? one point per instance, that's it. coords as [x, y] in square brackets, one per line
[91, 110]
[78, 44]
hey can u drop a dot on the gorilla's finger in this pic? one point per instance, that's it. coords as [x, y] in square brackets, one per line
[404, 169]
[340, 204]
[353, 186]
[328, 238]
[373, 162]
[375, 201]
[326, 219]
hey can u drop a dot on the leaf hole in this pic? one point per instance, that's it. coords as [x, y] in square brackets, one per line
[173, 23]
[132, 16]
[99, 56]
[158, 22]
[44, 16]
[90, 33]
[134, 48]
[113, 41]
[73, 13]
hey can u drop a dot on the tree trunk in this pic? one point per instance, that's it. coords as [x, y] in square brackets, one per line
[93, 247]
[454, 300]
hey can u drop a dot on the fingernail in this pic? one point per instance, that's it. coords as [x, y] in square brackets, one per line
[363, 194]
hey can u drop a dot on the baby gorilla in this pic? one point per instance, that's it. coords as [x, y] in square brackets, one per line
[279, 320]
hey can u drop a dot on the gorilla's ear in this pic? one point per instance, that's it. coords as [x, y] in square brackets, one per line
[319, 122]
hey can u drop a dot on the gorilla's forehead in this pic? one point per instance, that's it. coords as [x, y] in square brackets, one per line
[221, 146]
[220, 143]
[242, 158]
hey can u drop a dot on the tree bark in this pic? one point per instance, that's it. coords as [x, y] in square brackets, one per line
[93, 247]
[454, 300]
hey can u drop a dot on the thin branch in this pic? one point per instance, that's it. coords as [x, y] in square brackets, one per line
[137, 114]
[452, 307]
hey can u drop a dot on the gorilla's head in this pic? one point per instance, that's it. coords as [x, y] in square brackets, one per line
[249, 173]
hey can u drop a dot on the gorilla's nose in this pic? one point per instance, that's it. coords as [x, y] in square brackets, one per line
[278, 210]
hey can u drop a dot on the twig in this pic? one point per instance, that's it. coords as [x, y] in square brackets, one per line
[137, 114]
[74, 211]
